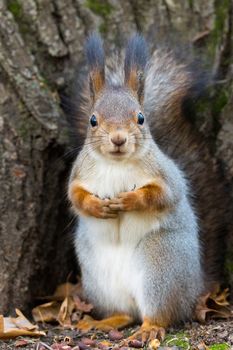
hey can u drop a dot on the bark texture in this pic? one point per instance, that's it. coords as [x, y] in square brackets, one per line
[41, 46]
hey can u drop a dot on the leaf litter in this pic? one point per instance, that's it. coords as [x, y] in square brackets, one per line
[11, 327]
[214, 304]
[66, 307]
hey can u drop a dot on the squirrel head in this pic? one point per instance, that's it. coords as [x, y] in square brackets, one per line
[117, 126]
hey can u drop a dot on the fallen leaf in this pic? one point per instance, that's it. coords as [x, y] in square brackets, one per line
[65, 312]
[213, 305]
[64, 307]
[220, 297]
[47, 312]
[11, 327]
[81, 305]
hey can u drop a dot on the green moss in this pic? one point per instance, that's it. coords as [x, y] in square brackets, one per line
[222, 346]
[190, 3]
[15, 8]
[101, 8]
[221, 10]
[180, 340]
[219, 102]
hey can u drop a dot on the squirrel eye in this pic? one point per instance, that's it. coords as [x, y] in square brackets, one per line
[93, 121]
[140, 118]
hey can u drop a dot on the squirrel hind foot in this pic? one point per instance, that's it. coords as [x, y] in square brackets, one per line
[148, 331]
[117, 321]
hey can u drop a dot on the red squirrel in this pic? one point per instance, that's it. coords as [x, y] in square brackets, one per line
[148, 197]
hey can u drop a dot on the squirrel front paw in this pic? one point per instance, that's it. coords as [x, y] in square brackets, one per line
[98, 208]
[126, 201]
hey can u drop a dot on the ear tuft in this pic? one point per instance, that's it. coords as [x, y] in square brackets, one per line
[96, 62]
[95, 52]
[136, 57]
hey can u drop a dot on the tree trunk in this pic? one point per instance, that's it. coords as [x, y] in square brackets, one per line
[41, 46]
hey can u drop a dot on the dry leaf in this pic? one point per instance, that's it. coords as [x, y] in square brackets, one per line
[220, 297]
[65, 306]
[65, 312]
[81, 305]
[213, 305]
[13, 327]
[47, 312]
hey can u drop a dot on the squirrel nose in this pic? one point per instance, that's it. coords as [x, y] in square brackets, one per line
[118, 140]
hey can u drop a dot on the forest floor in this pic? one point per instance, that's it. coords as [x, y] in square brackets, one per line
[214, 335]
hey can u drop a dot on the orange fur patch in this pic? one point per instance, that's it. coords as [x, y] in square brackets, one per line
[132, 82]
[97, 81]
[148, 321]
[117, 321]
[152, 196]
[78, 196]
[87, 204]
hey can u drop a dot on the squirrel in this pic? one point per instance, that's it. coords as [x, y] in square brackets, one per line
[145, 190]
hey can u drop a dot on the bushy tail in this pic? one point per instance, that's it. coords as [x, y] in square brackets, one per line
[170, 89]
[169, 85]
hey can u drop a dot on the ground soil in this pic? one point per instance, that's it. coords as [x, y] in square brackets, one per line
[189, 336]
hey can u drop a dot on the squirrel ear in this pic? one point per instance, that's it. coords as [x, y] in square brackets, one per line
[136, 56]
[96, 63]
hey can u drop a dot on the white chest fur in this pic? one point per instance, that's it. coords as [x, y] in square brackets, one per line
[108, 180]
[110, 256]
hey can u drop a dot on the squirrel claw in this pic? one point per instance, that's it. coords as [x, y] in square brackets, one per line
[107, 213]
[146, 334]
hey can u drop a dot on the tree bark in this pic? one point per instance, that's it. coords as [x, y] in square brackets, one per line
[41, 46]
